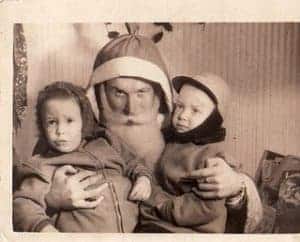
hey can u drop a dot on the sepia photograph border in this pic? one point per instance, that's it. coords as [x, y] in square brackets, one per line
[33, 11]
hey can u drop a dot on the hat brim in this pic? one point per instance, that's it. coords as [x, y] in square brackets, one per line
[129, 66]
[179, 81]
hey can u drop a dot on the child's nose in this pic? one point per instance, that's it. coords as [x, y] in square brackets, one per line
[184, 115]
[60, 129]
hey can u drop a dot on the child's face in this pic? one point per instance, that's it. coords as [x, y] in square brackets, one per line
[62, 123]
[193, 107]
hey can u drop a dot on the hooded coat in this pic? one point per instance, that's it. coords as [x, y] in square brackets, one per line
[180, 209]
[110, 160]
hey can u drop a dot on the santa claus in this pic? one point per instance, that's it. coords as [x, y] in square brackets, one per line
[132, 96]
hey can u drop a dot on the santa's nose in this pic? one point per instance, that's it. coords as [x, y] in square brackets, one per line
[132, 105]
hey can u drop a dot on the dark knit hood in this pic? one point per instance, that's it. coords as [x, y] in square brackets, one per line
[210, 131]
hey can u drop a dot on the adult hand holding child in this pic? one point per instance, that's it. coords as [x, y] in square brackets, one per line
[218, 179]
[69, 189]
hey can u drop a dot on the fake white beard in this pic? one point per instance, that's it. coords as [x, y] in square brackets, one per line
[142, 133]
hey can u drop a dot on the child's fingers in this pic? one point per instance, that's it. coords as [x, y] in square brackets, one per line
[145, 197]
[135, 194]
[132, 197]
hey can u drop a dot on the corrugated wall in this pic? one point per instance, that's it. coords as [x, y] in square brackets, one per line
[261, 62]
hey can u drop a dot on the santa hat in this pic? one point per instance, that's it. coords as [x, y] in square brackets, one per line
[131, 55]
[214, 86]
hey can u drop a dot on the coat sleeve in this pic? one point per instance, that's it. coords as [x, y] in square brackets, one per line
[189, 210]
[251, 211]
[246, 209]
[29, 207]
[134, 166]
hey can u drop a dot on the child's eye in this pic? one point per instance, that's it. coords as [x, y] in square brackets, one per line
[178, 105]
[196, 110]
[69, 120]
[51, 122]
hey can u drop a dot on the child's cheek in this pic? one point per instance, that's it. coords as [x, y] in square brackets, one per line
[50, 131]
[175, 116]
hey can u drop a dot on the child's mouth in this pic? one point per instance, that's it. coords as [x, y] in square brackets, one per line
[61, 142]
[181, 127]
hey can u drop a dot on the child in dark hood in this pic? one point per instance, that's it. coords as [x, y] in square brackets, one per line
[193, 137]
[67, 125]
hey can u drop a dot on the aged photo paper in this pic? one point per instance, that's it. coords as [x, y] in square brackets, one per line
[253, 46]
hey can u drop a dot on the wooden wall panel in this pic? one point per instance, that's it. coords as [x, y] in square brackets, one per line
[260, 62]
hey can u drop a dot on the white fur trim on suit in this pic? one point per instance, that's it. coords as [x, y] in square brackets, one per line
[254, 206]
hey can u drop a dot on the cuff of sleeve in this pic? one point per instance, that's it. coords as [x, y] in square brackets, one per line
[165, 210]
[149, 176]
[142, 170]
[237, 201]
[139, 170]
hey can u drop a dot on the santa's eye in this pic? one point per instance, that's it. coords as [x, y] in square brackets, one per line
[119, 93]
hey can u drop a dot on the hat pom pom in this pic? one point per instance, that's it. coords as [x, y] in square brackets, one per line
[132, 28]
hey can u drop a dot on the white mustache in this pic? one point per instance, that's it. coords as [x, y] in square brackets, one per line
[132, 120]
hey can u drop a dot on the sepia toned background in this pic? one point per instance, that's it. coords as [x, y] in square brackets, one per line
[261, 62]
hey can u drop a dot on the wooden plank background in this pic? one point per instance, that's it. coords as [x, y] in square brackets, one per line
[260, 61]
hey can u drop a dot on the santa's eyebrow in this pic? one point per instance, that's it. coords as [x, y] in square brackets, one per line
[144, 89]
[114, 87]
[110, 85]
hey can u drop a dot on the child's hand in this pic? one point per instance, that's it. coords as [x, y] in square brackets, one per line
[49, 229]
[141, 190]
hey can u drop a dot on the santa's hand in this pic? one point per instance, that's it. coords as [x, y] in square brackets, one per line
[217, 180]
[141, 190]
[68, 189]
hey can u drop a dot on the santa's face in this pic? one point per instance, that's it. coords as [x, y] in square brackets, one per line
[130, 101]
[130, 108]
